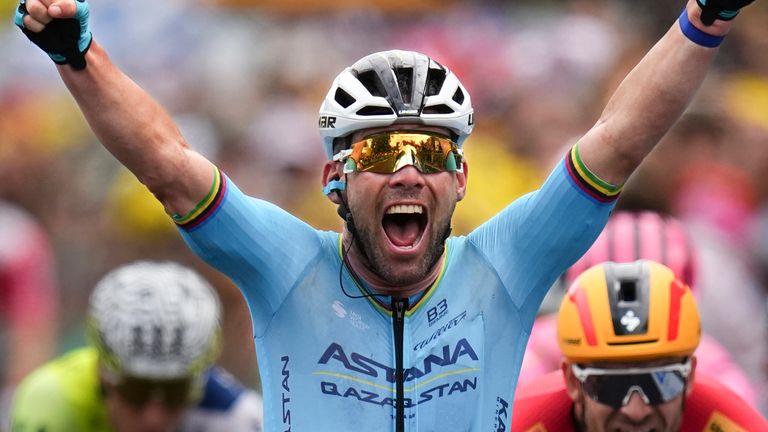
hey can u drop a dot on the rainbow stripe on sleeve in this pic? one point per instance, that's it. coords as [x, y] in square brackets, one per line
[206, 207]
[588, 182]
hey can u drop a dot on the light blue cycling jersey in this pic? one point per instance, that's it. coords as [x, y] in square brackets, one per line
[327, 361]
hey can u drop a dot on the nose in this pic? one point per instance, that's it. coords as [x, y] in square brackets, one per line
[408, 176]
[636, 409]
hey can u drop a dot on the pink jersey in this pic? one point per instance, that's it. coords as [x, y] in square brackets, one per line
[27, 284]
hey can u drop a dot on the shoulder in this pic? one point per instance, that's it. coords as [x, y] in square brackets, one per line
[68, 389]
[221, 390]
[712, 406]
[542, 405]
[226, 405]
[64, 375]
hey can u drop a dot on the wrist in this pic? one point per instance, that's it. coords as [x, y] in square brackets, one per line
[695, 34]
[719, 28]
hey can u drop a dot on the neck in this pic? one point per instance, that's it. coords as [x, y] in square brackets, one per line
[380, 285]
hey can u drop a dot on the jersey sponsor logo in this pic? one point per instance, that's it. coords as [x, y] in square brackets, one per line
[447, 326]
[502, 415]
[718, 422]
[338, 309]
[437, 312]
[357, 321]
[286, 394]
[373, 397]
[327, 122]
[357, 362]
[354, 318]
[538, 427]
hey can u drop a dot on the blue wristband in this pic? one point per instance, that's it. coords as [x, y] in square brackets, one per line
[697, 36]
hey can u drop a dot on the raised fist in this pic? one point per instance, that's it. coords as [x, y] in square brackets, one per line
[60, 28]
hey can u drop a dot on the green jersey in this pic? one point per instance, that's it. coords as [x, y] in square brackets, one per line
[63, 395]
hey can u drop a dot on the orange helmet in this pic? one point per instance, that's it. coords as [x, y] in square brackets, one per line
[627, 312]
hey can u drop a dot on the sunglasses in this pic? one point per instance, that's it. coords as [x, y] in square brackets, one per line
[614, 387]
[172, 393]
[388, 152]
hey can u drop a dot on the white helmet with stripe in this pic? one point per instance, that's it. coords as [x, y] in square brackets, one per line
[392, 87]
[155, 320]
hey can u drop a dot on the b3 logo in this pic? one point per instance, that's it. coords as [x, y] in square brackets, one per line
[437, 312]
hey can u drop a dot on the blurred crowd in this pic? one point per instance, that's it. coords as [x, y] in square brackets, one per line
[244, 81]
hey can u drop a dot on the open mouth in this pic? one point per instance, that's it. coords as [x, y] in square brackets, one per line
[404, 224]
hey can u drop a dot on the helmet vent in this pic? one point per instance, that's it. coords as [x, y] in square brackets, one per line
[627, 291]
[458, 97]
[374, 111]
[438, 109]
[343, 98]
[405, 83]
[435, 80]
[371, 81]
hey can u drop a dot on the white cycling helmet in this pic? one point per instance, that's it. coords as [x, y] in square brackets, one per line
[391, 87]
[155, 321]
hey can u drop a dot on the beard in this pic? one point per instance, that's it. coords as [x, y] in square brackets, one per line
[394, 272]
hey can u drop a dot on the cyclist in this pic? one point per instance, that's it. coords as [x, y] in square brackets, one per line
[154, 329]
[628, 332]
[28, 300]
[392, 324]
[627, 237]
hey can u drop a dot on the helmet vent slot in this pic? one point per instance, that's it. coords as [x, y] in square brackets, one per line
[372, 83]
[458, 97]
[405, 83]
[438, 109]
[627, 291]
[374, 111]
[343, 98]
[435, 80]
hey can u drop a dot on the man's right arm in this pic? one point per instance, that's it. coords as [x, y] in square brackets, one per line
[128, 122]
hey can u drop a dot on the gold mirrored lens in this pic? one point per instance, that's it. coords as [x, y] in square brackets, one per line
[391, 151]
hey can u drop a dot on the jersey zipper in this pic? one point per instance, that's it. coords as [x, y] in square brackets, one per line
[399, 306]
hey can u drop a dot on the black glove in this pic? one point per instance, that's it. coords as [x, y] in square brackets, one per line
[720, 9]
[64, 40]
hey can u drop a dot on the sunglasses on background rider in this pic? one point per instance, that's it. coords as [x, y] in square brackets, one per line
[172, 393]
[387, 152]
[614, 387]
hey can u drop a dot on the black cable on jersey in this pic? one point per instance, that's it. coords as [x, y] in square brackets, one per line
[345, 214]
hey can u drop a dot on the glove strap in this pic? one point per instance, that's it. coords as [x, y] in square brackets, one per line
[697, 36]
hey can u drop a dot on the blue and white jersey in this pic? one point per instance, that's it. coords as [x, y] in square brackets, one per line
[226, 406]
[327, 361]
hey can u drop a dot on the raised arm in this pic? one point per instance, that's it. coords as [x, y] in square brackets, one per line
[656, 92]
[127, 121]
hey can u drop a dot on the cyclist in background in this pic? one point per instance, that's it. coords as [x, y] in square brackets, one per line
[155, 335]
[628, 332]
[28, 300]
[629, 236]
[391, 324]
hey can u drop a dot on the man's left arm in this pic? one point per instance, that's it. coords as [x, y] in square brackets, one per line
[657, 91]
